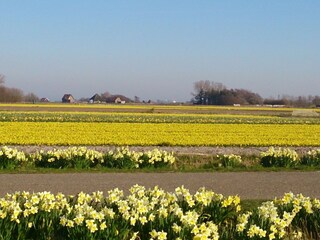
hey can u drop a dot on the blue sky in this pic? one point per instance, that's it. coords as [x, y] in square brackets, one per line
[157, 49]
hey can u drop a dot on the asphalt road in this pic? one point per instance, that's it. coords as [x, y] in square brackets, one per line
[248, 185]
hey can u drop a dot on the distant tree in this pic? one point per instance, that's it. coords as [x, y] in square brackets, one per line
[211, 93]
[3, 90]
[302, 101]
[271, 101]
[316, 100]
[230, 97]
[249, 97]
[14, 95]
[2, 79]
[31, 97]
[9, 94]
[207, 92]
[200, 98]
[104, 96]
[83, 99]
[136, 99]
[208, 86]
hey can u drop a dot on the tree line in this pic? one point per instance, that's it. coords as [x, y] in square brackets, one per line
[12, 95]
[205, 93]
[213, 93]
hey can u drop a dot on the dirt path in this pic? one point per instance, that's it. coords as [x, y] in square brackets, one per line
[248, 185]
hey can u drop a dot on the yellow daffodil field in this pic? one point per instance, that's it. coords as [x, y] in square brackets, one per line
[146, 125]
[152, 213]
[146, 134]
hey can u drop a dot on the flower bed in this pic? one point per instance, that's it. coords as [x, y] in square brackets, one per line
[155, 214]
[124, 158]
[84, 158]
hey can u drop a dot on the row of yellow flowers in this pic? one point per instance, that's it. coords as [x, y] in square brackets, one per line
[84, 158]
[155, 214]
[124, 158]
[14, 116]
[175, 134]
[276, 157]
[138, 117]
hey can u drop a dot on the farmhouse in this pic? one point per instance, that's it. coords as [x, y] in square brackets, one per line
[68, 98]
[95, 99]
[44, 100]
[118, 99]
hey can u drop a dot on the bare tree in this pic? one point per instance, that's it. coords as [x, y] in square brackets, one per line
[2, 79]
[31, 97]
[206, 91]
[136, 99]
[9, 94]
[316, 100]
[14, 95]
[2, 93]
[104, 96]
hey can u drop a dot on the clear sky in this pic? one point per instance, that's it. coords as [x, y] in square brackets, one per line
[157, 49]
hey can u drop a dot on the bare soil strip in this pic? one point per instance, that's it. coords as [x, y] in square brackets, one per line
[248, 185]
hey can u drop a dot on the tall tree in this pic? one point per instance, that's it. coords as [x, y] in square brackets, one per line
[212, 93]
[136, 99]
[316, 100]
[9, 94]
[206, 91]
[2, 79]
[31, 97]
[14, 95]
[104, 96]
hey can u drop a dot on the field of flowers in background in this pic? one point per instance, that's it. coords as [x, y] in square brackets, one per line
[153, 213]
[155, 125]
[164, 134]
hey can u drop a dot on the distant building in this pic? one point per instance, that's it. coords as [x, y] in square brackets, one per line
[44, 100]
[118, 99]
[95, 99]
[68, 98]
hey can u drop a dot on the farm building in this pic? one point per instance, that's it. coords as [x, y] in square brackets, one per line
[95, 99]
[118, 99]
[44, 100]
[68, 98]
